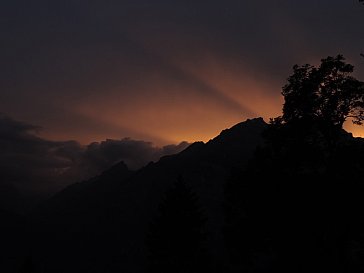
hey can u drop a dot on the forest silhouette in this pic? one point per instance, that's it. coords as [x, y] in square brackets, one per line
[297, 206]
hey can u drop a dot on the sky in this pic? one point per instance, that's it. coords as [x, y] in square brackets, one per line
[161, 71]
[156, 73]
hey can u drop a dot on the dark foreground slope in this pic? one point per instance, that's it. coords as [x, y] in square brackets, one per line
[298, 206]
[14, 241]
[100, 225]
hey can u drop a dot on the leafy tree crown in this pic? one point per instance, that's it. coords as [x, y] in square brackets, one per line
[326, 93]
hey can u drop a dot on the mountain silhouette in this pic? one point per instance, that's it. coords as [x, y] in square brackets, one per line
[99, 225]
[263, 199]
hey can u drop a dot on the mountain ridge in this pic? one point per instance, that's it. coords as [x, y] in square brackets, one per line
[125, 200]
[105, 219]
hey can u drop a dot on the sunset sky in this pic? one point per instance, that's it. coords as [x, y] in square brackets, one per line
[162, 71]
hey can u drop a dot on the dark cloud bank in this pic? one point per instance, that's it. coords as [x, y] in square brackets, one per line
[32, 164]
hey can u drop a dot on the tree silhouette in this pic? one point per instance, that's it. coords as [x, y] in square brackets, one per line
[295, 207]
[176, 240]
[327, 94]
[238, 235]
[28, 266]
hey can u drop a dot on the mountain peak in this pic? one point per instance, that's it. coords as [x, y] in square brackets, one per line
[248, 124]
[119, 170]
[250, 127]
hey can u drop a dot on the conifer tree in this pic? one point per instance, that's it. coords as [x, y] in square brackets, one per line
[28, 266]
[176, 240]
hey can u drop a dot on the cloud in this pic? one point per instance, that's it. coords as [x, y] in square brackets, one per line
[26, 160]
[98, 156]
[34, 164]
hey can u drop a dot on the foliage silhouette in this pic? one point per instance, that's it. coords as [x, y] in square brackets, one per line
[177, 240]
[327, 94]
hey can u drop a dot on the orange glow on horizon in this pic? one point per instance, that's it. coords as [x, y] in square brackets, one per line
[182, 113]
[192, 95]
